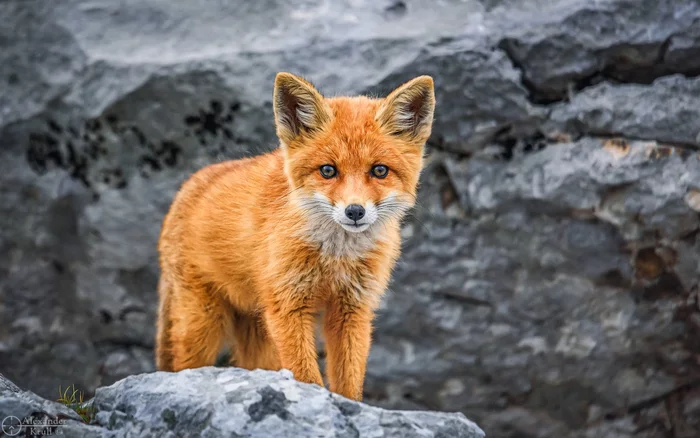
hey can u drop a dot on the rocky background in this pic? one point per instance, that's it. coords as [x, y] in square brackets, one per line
[549, 281]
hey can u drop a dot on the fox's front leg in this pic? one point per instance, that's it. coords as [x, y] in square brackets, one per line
[348, 333]
[291, 327]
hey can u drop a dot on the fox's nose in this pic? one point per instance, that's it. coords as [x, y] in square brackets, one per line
[355, 212]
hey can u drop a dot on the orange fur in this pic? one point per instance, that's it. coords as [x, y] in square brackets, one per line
[252, 250]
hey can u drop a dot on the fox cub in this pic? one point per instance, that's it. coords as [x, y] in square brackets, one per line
[252, 250]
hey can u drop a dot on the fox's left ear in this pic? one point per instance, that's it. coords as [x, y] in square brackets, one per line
[408, 111]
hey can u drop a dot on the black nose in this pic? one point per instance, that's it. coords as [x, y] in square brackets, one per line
[355, 212]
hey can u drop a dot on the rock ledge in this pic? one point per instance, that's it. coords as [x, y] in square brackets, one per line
[213, 401]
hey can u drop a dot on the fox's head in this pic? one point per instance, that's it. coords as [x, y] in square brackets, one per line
[353, 162]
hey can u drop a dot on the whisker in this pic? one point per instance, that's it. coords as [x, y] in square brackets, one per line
[420, 223]
[395, 208]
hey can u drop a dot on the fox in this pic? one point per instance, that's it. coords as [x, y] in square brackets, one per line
[254, 252]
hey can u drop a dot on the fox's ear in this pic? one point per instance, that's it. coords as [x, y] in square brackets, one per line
[408, 110]
[299, 108]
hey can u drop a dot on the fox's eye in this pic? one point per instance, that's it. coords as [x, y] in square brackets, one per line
[380, 171]
[328, 171]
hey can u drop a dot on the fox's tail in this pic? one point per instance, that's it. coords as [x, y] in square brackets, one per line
[164, 356]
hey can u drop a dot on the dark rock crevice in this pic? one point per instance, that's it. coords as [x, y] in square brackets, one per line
[616, 65]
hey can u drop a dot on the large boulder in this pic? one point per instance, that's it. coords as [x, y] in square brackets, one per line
[215, 402]
[549, 281]
[561, 296]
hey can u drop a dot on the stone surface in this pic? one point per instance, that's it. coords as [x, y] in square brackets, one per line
[569, 45]
[214, 402]
[23, 413]
[566, 293]
[234, 402]
[549, 282]
[665, 111]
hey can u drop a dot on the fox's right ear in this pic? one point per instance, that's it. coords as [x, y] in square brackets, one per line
[299, 108]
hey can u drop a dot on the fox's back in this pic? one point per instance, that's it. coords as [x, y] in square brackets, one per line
[216, 215]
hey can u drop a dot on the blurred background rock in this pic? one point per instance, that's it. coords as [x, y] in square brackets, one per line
[549, 281]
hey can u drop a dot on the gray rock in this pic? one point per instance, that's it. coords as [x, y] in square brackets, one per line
[666, 111]
[234, 402]
[563, 299]
[566, 45]
[549, 282]
[213, 402]
[24, 411]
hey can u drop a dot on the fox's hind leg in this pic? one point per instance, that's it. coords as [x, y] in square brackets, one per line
[253, 347]
[199, 321]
